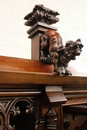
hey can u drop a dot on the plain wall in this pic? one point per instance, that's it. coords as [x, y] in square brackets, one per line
[14, 41]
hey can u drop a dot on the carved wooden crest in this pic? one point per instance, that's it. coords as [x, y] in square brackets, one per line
[52, 49]
[41, 14]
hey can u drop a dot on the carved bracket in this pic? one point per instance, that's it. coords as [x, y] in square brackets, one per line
[55, 94]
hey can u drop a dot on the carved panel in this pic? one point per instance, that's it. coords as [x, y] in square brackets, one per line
[2, 116]
[82, 127]
[19, 114]
[75, 122]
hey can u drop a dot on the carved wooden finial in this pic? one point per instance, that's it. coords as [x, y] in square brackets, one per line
[41, 14]
[39, 21]
[47, 43]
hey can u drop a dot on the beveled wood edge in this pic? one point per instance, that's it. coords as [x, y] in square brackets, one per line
[24, 71]
[40, 78]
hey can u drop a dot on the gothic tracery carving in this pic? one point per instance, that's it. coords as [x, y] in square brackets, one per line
[18, 114]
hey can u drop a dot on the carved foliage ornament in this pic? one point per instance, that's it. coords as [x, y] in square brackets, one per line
[41, 14]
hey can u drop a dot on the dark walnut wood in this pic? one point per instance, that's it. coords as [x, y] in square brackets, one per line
[47, 43]
[54, 52]
[34, 99]
[83, 126]
[39, 20]
[76, 111]
[41, 14]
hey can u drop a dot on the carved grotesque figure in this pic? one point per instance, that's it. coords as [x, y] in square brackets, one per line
[51, 43]
[54, 52]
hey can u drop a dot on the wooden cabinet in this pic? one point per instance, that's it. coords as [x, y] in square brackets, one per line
[32, 98]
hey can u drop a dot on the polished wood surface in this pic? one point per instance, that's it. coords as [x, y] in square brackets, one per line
[24, 81]
[32, 97]
[53, 51]
[22, 71]
[40, 78]
[23, 65]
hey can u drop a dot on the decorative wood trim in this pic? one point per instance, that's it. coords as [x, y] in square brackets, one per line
[17, 109]
[23, 77]
[39, 27]
[55, 94]
[11, 64]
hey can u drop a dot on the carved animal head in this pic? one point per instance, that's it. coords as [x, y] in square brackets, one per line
[73, 49]
[77, 47]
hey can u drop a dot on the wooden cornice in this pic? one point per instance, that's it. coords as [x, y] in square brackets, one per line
[22, 71]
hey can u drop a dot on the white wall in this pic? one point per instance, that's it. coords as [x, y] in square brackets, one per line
[14, 40]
